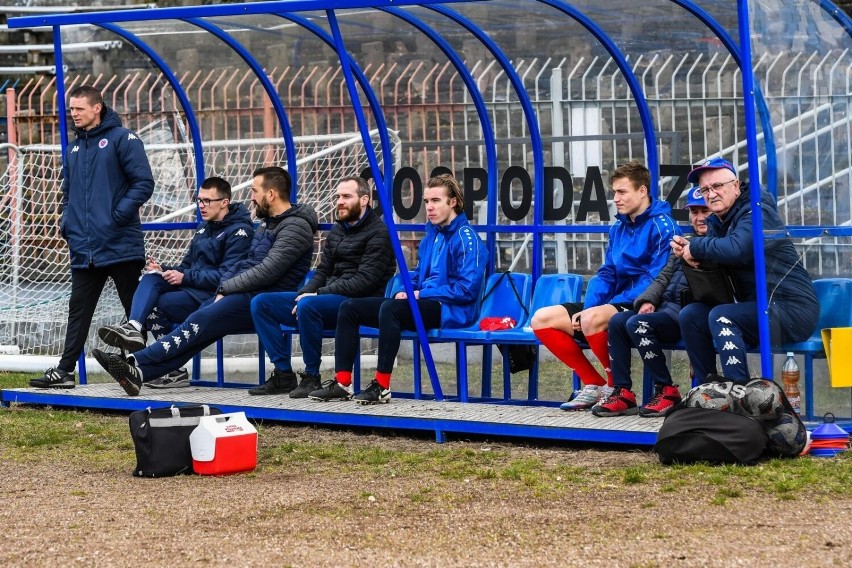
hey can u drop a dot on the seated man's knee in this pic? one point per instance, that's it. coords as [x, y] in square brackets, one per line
[596, 319]
[550, 316]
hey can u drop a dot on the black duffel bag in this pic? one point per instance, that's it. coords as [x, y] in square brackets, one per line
[161, 438]
[691, 435]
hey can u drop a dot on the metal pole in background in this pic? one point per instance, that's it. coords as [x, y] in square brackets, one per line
[558, 160]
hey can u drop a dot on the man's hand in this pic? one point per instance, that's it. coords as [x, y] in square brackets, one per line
[404, 296]
[646, 308]
[299, 297]
[152, 265]
[173, 277]
[680, 248]
[575, 321]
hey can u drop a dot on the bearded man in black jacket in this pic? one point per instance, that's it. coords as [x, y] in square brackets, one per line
[357, 261]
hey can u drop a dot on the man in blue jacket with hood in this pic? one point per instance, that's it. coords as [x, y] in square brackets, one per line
[637, 251]
[106, 178]
[446, 284]
[168, 294]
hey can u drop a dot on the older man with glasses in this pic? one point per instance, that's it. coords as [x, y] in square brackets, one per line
[730, 329]
[168, 294]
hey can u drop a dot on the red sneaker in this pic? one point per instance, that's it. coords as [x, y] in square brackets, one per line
[621, 401]
[665, 397]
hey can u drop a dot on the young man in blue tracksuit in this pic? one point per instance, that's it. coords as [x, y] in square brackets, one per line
[446, 285]
[168, 294]
[637, 251]
[278, 260]
[106, 178]
[357, 262]
[730, 329]
[652, 322]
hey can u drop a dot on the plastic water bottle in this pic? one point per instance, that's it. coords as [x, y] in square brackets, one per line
[790, 377]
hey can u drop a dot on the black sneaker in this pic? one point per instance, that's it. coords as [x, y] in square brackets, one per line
[54, 378]
[331, 390]
[309, 384]
[373, 394]
[279, 382]
[123, 336]
[127, 375]
[178, 378]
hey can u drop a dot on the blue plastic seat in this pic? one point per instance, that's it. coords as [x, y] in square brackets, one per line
[835, 310]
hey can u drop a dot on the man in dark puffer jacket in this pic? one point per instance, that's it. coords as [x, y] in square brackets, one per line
[357, 262]
[278, 260]
[106, 178]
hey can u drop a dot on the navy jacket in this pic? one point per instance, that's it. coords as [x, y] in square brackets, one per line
[666, 290]
[636, 253]
[279, 257]
[788, 285]
[357, 259]
[461, 256]
[215, 248]
[106, 179]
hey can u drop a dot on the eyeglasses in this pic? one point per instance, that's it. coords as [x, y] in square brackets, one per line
[705, 191]
[206, 202]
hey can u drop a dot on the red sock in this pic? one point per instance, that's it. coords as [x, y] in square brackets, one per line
[598, 345]
[566, 350]
[383, 379]
[343, 377]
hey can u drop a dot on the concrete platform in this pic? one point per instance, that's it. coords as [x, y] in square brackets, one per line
[491, 418]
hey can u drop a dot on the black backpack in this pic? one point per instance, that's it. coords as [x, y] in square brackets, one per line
[731, 422]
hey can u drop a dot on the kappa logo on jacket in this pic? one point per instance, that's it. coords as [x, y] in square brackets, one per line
[241, 233]
[75, 149]
[132, 136]
[202, 230]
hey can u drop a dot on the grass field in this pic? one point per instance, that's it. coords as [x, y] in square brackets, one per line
[364, 498]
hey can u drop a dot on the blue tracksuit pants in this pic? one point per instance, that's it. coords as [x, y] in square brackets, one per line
[314, 314]
[646, 333]
[159, 306]
[213, 320]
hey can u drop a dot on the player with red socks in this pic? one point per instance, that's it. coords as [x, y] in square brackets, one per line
[637, 251]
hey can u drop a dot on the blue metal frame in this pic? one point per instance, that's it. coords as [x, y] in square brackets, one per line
[753, 102]
[179, 92]
[484, 120]
[529, 114]
[271, 92]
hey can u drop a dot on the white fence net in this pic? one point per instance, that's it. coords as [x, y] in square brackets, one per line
[34, 275]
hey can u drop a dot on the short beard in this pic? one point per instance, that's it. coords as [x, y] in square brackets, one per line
[352, 214]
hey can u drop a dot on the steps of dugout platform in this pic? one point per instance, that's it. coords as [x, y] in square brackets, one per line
[442, 418]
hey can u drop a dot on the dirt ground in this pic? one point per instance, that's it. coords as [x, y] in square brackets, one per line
[67, 513]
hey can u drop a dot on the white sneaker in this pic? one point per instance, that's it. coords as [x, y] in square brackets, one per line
[584, 398]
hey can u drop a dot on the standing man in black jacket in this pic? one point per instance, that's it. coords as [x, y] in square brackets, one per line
[278, 260]
[106, 178]
[357, 261]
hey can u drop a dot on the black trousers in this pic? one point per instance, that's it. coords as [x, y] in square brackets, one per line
[86, 287]
[390, 316]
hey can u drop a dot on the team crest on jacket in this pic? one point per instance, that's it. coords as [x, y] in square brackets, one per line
[103, 143]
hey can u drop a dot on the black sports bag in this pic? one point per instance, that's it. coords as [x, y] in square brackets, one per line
[161, 438]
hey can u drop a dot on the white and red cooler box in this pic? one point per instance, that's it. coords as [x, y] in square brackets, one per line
[223, 444]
